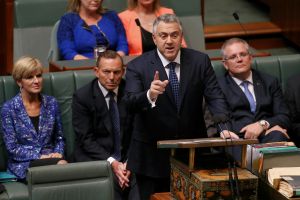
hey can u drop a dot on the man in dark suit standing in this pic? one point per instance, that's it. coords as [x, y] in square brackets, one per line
[255, 99]
[101, 121]
[165, 87]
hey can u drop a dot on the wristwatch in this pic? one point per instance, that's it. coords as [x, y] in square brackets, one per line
[263, 124]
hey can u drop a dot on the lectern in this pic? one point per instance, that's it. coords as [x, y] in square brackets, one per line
[189, 182]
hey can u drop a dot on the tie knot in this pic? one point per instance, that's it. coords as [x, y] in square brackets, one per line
[111, 94]
[245, 83]
[172, 65]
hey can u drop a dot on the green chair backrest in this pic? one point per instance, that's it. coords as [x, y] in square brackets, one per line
[183, 8]
[37, 13]
[76, 181]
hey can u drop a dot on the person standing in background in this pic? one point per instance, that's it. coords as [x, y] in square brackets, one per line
[87, 26]
[138, 23]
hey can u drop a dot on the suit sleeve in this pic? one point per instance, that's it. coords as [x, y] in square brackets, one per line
[58, 131]
[213, 94]
[83, 128]
[16, 150]
[290, 97]
[65, 38]
[135, 90]
[122, 40]
[280, 110]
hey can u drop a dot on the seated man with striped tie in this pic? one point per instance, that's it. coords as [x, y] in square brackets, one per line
[102, 124]
[258, 109]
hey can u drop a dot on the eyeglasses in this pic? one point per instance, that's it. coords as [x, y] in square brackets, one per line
[234, 57]
[165, 36]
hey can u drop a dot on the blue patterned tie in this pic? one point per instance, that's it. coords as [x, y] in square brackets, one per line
[249, 96]
[173, 79]
[115, 119]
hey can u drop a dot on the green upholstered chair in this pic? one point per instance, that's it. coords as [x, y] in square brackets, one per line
[33, 22]
[116, 5]
[183, 8]
[193, 32]
[76, 181]
[54, 54]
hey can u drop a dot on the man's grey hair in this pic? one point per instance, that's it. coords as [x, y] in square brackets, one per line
[166, 18]
[232, 41]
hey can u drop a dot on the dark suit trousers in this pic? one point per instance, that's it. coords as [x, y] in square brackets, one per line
[131, 193]
[149, 185]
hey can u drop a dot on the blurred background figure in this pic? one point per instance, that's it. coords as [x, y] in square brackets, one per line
[31, 122]
[138, 23]
[88, 27]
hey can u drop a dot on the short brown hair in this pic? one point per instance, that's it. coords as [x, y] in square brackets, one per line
[132, 4]
[25, 66]
[74, 6]
[232, 41]
[108, 54]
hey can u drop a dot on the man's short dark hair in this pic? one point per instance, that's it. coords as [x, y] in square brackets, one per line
[108, 54]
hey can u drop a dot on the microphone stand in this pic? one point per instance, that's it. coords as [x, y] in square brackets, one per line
[236, 178]
[230, 177]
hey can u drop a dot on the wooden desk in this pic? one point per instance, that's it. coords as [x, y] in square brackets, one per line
[192, 144]
[161, 196]
[66, 65]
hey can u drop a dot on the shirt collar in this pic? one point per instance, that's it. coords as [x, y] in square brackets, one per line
[239, 81]
[165, 62]
[105, 91]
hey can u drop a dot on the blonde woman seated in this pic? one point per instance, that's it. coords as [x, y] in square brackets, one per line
[31, 122]
[138, 23]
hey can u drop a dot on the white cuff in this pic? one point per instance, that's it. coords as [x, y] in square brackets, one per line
[110, 160]
[152, 102]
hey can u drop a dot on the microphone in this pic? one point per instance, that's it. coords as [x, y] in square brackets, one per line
[224, 119]
[219, 119]
[237, 18]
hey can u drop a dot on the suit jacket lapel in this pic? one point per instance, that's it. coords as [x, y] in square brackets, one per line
[185, 70]
[158, 66]
[101, 106]
[235, 88]
[23, 116]
[121, 107]
[258, 89]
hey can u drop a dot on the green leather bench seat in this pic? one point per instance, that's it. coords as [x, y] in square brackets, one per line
[62, 85]
[36, 13]
[76, 181]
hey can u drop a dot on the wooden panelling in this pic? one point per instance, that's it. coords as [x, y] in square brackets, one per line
[235, 30]
[6, 36]
[286, 15]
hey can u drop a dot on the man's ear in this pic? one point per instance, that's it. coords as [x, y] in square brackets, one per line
[96, 71]
[224, 65]
[154, 38]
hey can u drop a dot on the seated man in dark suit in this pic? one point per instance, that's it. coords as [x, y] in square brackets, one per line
[101, 122]
[258, 109]
[292, 96]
